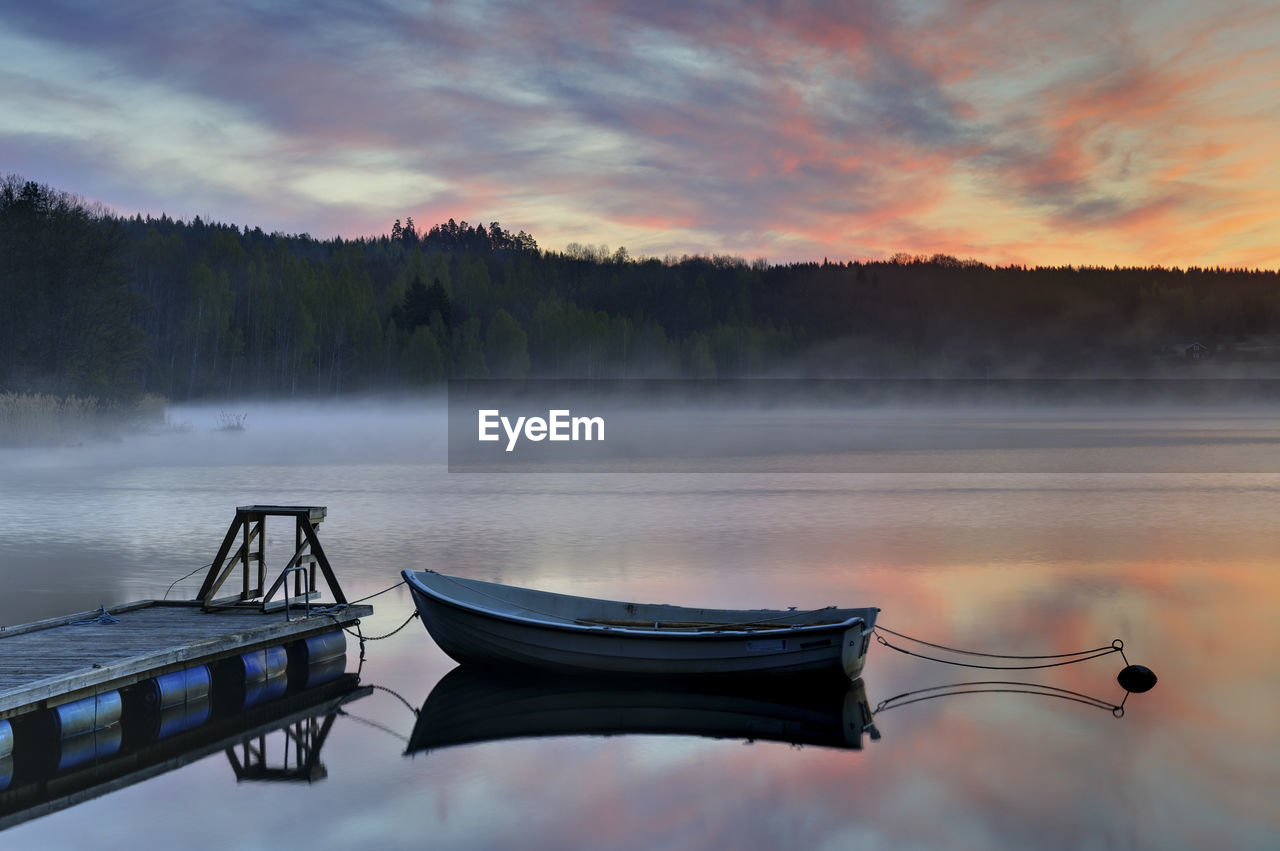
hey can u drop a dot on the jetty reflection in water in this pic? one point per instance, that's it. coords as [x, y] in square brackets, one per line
[47, 773]
[471, 705]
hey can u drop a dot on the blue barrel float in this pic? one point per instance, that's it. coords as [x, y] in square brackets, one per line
[87, 729]
[167, 704]
[184, 699]
[6, 754]
[318, 659]
[265, 675]
[249, 679]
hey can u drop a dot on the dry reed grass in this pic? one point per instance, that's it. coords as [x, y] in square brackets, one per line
[42, 419]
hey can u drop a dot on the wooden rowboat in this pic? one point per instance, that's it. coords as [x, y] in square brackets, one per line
[486, 623]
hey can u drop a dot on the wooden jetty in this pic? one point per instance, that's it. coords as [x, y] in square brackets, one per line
[61, 660]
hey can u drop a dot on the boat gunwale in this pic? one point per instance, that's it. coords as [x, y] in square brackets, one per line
[567, 625]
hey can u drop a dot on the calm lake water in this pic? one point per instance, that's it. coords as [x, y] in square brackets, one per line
[1028, 540]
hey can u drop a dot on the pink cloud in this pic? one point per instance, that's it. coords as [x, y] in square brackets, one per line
[796, 126]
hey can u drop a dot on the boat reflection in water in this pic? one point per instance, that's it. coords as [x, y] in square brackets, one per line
[471, 705]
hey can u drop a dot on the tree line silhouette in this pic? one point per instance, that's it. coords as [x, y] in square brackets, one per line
[114, 307]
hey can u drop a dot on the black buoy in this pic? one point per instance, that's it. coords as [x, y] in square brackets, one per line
[1137, 679]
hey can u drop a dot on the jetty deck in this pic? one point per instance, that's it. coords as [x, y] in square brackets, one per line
[58, 660]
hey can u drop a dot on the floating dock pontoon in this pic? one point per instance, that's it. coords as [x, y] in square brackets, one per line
[83, 673]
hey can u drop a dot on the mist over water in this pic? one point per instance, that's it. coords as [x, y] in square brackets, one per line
[1022, 529]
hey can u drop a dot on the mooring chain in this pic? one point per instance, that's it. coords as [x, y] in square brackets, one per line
[398, 696]
[345, 713]
[359, 634]
[363, 638]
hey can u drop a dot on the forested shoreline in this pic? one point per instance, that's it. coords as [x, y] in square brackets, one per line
[111, 307]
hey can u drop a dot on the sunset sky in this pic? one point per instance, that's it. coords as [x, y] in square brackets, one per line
[1046, 133]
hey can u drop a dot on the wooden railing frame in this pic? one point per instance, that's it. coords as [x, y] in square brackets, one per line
[250, 525]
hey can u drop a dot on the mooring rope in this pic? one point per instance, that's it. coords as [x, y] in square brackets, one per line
[330, 609]
[180, 578]
[335, 608]
[998, 687]
[103, 617]
[1116, 646]
[376, 593]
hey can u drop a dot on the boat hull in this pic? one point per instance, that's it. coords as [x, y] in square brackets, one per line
[472, 635]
